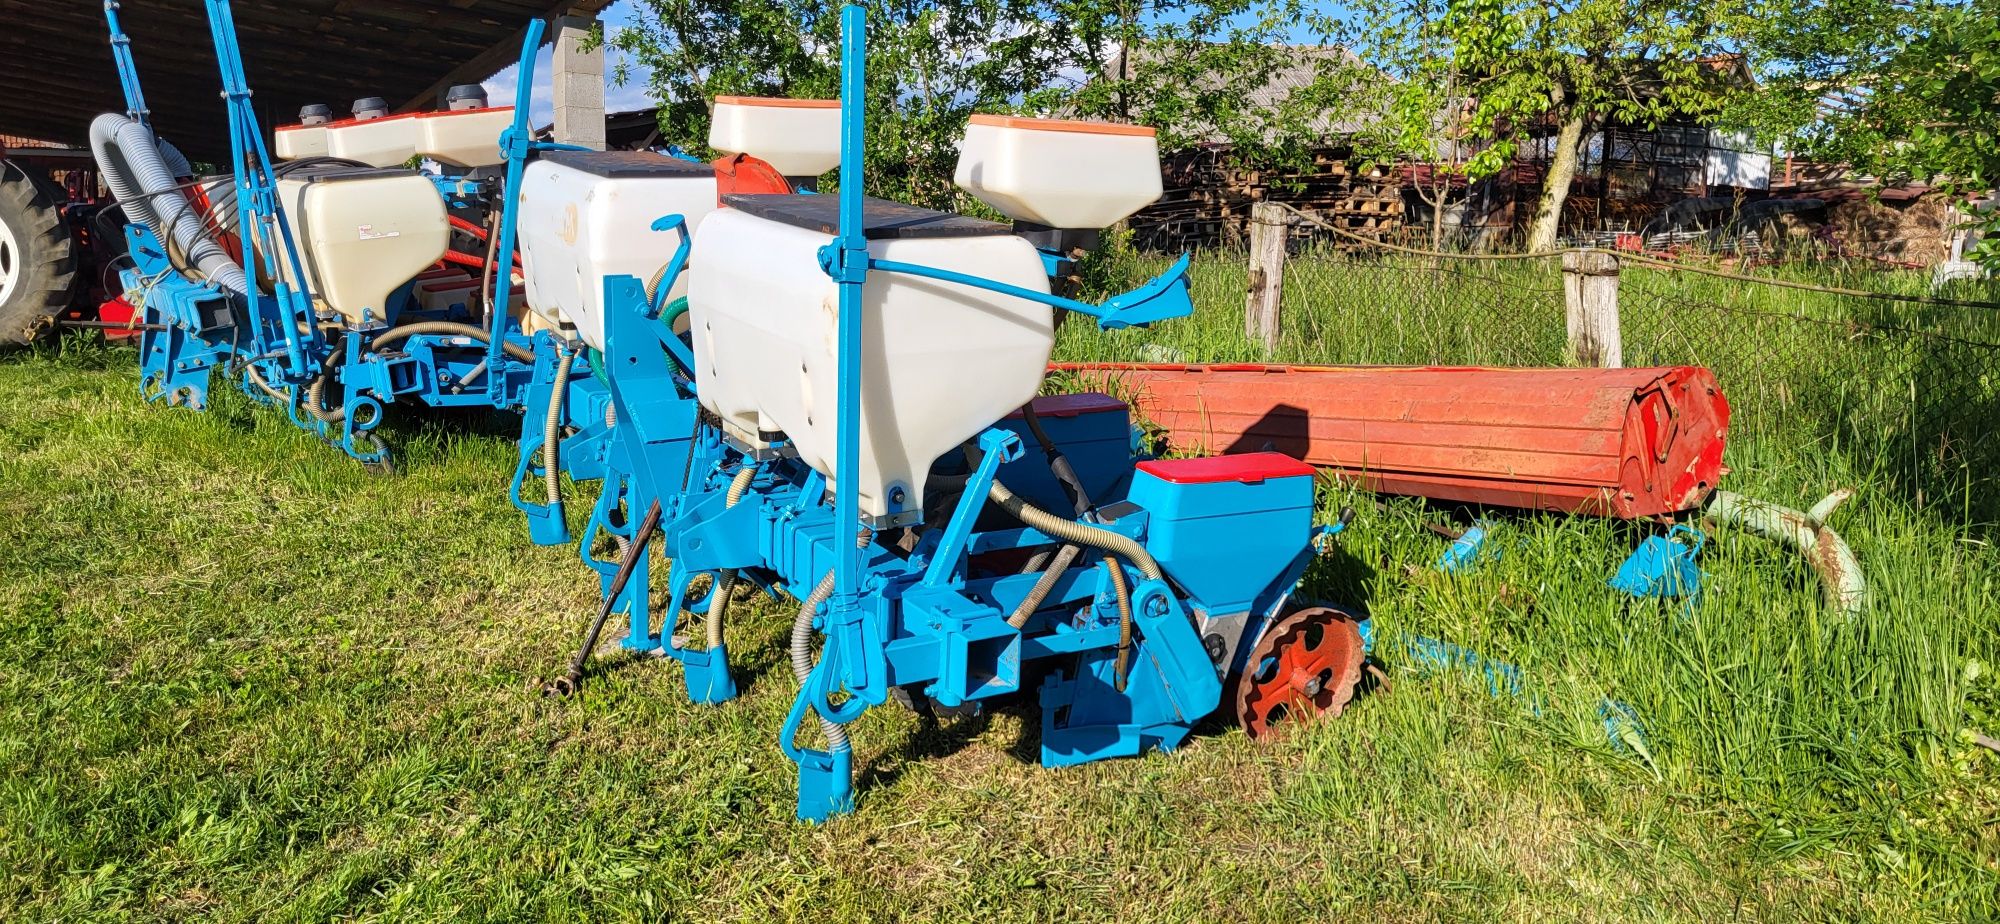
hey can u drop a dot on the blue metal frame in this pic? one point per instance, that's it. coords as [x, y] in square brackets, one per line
[925, 620]
[275, 339]
[517, 142]
[932, 620]
[128, 70]
[263, 228]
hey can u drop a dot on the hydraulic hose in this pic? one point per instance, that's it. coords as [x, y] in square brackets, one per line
[1124, 594]
[1074, 532]
[552, 428]
[801, 649]
[725, 583]
[1058, 463]
[395, 334]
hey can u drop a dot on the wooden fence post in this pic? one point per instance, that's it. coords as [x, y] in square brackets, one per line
[1590, 293]
[1270, 229]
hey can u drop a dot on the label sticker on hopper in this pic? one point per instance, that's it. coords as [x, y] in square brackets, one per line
[368, 233]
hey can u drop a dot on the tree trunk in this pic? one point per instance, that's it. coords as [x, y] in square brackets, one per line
[1438, 194]
[1555, 186]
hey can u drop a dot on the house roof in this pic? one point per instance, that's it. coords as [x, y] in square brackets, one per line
[55, 60]
[1301, 68]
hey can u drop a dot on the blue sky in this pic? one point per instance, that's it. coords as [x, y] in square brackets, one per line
[632, 95]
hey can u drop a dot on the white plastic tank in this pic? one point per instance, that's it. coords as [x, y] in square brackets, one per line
[1057, 172]
[293, 142]
[798, 137]
[290, 188]
[940, 361]
[365, 233]
[389, 141]
[586, 215]
[463, 138]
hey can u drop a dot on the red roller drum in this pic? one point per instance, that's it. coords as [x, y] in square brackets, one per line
[1626, 443]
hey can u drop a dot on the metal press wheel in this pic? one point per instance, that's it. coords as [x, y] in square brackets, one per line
[1307, 664]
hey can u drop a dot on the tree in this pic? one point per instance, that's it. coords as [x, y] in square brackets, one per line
[1576, 65]
[1409, 101]
[931, 65]
[1900, 89]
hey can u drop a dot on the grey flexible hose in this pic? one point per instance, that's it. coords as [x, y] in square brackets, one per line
[552, 428]
[132, 164]
[177, 163]
[725, 583]
[395, 334]
[801, 649]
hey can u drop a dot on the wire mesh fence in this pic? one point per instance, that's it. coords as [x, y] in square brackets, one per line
[1909, 392]
[1387, 308]
[1914, 390]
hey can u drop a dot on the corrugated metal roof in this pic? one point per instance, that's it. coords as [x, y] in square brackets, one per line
[1300, 68]
[56, 72]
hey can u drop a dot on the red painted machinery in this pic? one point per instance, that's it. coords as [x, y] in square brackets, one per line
[1627, 443]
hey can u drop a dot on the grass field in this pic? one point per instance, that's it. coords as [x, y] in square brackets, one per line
[242, 680]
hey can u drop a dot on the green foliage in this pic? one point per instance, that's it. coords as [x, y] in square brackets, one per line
[1898, 89]
[1634, 62]
[1191, 66]
[1902, 90]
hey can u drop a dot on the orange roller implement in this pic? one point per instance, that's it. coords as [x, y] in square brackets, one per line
[1628, 443]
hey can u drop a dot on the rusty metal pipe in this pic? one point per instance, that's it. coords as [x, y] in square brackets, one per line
[1844, 587]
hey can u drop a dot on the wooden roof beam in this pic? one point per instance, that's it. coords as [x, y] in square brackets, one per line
[486, 63]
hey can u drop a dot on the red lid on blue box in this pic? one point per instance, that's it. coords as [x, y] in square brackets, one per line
[1247, 467]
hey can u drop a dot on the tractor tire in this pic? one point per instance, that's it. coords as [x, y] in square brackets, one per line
[37, 256]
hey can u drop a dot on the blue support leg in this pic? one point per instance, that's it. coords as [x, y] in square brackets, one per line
[546, 522]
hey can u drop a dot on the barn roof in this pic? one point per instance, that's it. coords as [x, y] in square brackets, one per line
[56, 72]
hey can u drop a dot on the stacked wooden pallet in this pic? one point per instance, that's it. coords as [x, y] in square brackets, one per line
[1208, 196]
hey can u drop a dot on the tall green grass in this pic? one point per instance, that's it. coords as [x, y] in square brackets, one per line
[1910, 393]
[1844, 728]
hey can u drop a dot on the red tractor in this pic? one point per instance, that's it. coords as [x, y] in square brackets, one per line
[47, 196]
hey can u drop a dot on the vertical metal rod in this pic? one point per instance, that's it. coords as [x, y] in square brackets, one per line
[516, 143]
[257, 195]
[852, 264]
[128, 70]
